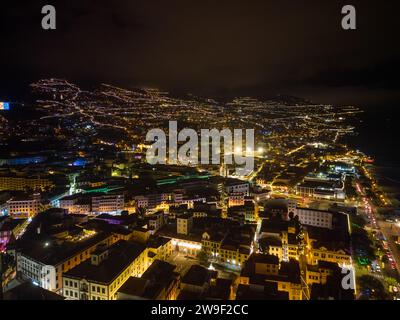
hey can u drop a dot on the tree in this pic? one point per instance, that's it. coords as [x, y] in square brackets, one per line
[391, 281]
[372, 288]
[203, 256]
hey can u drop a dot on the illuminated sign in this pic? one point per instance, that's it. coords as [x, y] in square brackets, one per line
[4, 106]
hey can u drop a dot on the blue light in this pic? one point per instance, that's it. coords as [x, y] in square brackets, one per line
[4, 106]
[79, 162]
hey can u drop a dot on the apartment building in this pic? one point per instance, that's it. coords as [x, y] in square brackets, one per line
[108, 203]
[101, 276]
[44, 262]
[24, 205]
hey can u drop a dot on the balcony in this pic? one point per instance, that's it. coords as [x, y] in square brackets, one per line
[84, 288]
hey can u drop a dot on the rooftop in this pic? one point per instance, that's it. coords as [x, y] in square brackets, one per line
[121, 255]
[29, 291]
[157, 277]
[51, 252]
[197, 276]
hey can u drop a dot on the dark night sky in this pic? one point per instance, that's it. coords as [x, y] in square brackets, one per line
[216, 48]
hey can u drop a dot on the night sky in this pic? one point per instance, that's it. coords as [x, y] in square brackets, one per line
[214, 48]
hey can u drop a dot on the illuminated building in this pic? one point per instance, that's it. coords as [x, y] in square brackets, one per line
[23, 183]
[159, 248]
[186, 246]
[319, 272]
[184, 224]
[226, 250]
[283, 239]
[44, 263]
[329, 253]
[263, 270]
[200, 214]
[222, 240]
[247, 213]
[324, 282]
[157, 200]
[331, 245]
[142, 201]
[272, 245]
[342, 167]
[75, 204]
[156, 221]
[236, 200]
[290, 245]
[313, 217]
[24, 206]
[107, 270]
[96, 202]
[321, 190]
[109, 203]
[280, 239]
[159, 282]
[236, 186]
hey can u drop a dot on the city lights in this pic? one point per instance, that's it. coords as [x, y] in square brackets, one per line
[199, 152]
